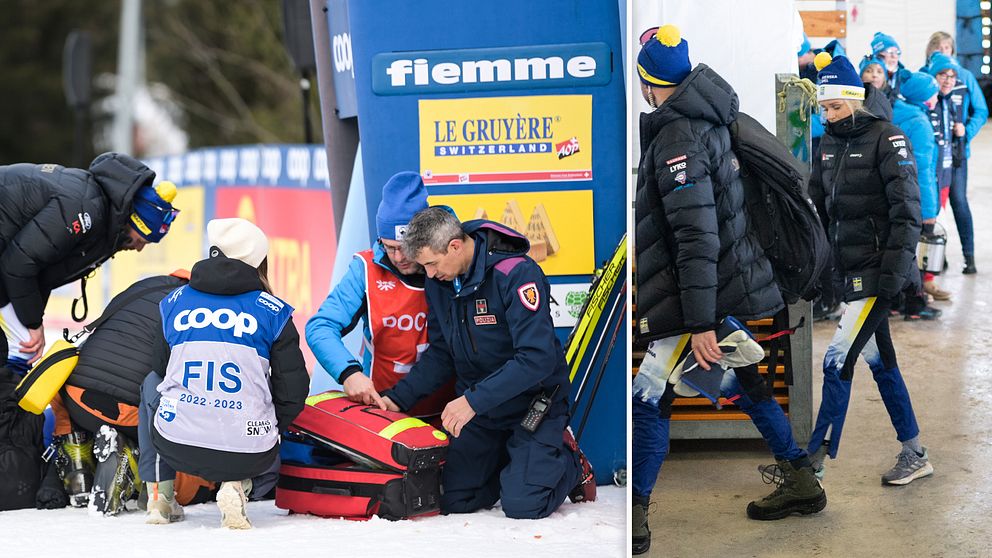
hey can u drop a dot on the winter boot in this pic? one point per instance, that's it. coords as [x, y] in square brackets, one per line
[585, 490]
[640, 533]
[162, 505]
[76, 466]
[116, 478]
[232, 499]
[931, 288]
[798, 491]
[969, 266]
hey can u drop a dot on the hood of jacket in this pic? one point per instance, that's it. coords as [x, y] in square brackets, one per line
[904, 111]
[494, 243]
[119, 176]
[224, 276]
[702, 95]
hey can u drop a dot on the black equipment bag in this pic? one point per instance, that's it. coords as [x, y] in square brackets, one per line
[779, 210]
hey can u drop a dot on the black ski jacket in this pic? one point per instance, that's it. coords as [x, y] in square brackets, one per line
[696, 260]
[58, 224]
[495, 336]
[118, 355]
[865, 187]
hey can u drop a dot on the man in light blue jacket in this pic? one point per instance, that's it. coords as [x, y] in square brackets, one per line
[385, 290]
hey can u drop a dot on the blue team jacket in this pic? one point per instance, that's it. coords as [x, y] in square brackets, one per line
[915, 122]
[495, 335]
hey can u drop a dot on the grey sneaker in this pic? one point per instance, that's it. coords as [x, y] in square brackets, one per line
[908, 468]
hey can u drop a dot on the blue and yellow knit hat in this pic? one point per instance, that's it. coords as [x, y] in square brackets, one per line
[664, 58]
[837, 79]
[152, 213]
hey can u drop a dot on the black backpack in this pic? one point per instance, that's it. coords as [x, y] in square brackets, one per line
[780, 213]
[20, 449]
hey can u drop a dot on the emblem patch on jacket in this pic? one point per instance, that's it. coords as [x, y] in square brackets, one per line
[529, 296]
[481, 307]
[487, 319]
[385, 285]
[857, 284]
[167, 409]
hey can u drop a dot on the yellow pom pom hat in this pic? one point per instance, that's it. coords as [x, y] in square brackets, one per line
[152, 211]
[664, 58]
[837, 79]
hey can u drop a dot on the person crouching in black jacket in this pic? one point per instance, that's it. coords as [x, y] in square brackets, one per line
[697, 264]
[865, 187]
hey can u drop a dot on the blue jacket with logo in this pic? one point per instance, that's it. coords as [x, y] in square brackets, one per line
[495, 335]
[914, 121]
[340, 313]
[967, 94]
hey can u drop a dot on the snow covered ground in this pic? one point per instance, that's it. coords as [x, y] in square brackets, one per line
[595, 530]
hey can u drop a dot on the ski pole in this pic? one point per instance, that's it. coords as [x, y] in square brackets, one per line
[599, 343]
[602, 370]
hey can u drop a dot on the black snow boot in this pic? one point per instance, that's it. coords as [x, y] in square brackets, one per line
[969, 266]
[640, 533]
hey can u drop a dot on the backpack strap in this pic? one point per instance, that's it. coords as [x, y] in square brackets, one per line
[110, 311]
[82, 297]
[779, 341]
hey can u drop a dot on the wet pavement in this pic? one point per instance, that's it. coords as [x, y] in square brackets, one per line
[698, 504]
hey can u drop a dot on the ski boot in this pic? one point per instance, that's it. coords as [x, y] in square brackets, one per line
[76, 465]
[116, 478]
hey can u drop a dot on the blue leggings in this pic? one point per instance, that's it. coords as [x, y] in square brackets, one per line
[864, 330]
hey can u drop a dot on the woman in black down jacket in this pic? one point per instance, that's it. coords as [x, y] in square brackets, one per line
[865, 187]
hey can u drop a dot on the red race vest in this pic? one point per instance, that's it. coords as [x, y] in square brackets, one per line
[398, 323]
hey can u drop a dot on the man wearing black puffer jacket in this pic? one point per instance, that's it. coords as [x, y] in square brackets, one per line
[58, 224]
[697, 264]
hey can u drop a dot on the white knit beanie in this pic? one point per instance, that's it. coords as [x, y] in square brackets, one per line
[239, 239]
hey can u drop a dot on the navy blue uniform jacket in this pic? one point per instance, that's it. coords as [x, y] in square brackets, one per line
[495, 336]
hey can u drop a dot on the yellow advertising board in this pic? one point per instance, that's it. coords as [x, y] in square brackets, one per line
[539, 138]
[558, 225]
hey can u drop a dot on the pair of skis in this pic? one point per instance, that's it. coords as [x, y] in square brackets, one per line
[610, 285]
